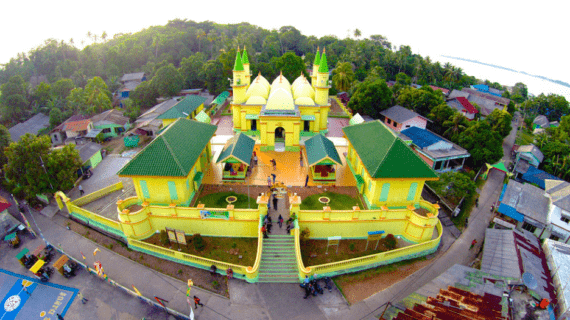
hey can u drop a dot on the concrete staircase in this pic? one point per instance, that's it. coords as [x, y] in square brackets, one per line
[278, 262]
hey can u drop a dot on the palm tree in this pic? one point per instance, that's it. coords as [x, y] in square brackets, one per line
[343, 76]
[357, 33]
[456, 126]
[199, 34]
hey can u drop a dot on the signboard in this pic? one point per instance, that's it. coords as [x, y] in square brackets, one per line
[171, 235]
[180, 236]
[209, 214]
[374, 236]
[333, 241]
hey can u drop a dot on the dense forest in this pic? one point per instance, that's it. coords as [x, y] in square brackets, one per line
[202, 55]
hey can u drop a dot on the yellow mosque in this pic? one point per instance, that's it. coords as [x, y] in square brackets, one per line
[280, 113]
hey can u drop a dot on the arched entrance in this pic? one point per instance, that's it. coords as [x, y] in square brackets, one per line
[279, 134]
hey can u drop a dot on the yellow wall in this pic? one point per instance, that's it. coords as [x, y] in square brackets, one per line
[166, 122]
[267, 126]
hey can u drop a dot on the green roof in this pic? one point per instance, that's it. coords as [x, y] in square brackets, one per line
[238, 65]
[385, 155]
[320, 148]
[323, 67]
[317, 58]
[174, 152]
[183, 108]
[244, 58]
[221, 98]
[239, 147]
[203, 117]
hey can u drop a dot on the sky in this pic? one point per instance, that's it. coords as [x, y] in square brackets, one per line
[521, 35]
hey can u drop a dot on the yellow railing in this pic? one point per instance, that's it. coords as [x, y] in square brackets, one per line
[124, 204]
[97, 194]
[252, 272]
[191, 259]
[74, 209]
[342, 106]
[297, 235]
[376, 259]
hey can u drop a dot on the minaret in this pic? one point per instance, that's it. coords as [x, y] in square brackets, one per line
[322, 83]
[245, 61]
[315, 68]
[239, 83]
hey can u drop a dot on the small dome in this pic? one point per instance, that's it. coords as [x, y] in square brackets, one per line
[257, 89]
[280, 79]
[300, 79]
[304, 101]
[280, 99]
[256, 100]
[304, 90]
[263, 81]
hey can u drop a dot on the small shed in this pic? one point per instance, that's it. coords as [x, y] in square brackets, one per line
[203, 117]
[322, 157]
[236, 157]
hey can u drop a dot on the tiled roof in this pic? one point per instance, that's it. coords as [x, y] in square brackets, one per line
[203, 117]
[383, 154]
[488, 96]
[559, 192]
[531, 148]
[421, 137]
[174, 152]
[239, 147]
[244, 58]
[32, 125]
[443, 90]
[467, 105]
[138, 76]
[320, 148]
[317, 58]
[183, 108]
[399, 114]
[75, 126]
[4, 204]
[73, 118]
[110, 116]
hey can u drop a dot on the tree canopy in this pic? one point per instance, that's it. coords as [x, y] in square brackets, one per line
[371, 98]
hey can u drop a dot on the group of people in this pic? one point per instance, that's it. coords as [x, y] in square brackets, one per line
[311, 285]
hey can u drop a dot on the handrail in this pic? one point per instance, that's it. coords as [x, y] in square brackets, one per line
[98, 194]
[378, 257]
[253, 271]
[302, 270]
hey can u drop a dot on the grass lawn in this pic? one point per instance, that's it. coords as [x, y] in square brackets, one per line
[314, 251]
[524, 137]
[371, 273]
[218, 200]
[217, 248]
[338, 202]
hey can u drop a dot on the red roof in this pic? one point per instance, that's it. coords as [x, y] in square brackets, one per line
[467, 105]
[81, 125]
[445, 91]
[4, 204]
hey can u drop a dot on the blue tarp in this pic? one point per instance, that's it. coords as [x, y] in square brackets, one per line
[537, 176]
[511, 212]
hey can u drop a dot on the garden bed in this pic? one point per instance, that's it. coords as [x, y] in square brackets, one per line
[218, 200]
[222, 249]
[337, 201]
[314, 251]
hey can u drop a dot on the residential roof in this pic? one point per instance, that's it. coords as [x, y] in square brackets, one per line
[467, 105]
[221, 98]
[522, 166]
[531, 148]
[155, 111]
[320, 148]
[458, 93]
[488, 96]
[75, 126]
[542, 121]
[443, 90]
[383, 154]
[527, 200]
[32, 125]
[537, 176]
[500, 255]
[4, 204]
[110, 117]
[422, 137]
[87, 150]
[559, 192]
[559, 255]
[240, 147]
[137, 76]
[73, 118]
[400, 114]
[93, 133]
[183, 108]
[203, 117]
[174, 152]
[356, 119]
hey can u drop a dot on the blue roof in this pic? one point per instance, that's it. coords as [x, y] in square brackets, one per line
[511, 212]
[537, 176]
[421, 137]
[481, 87]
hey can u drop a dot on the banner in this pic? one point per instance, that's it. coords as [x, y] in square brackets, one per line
[208, 214]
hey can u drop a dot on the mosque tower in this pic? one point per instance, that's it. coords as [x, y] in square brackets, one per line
[315, 68]
[239, 83]
[245, 61]
[322, 84]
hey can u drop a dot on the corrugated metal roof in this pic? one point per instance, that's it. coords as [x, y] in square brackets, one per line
[399, 114]
[319, 148]
[239, 147]
[537, 176]
[421, 137]
[499, 254]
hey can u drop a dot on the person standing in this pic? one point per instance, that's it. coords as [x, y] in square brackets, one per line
[274, 164]
[80, 296]
[269, 181]
[264, 231]
[81, 192]
[477, 203]
[301, 157]
[306, 181]
[254, 158]
[280, 221]
[274, 177]
[197, 303]
[274, 202]
[473, 243]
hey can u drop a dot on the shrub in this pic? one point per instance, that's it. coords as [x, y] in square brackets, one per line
[164, 237]
[198, 241]
[179, 271]
[305, 234]
[390, 242]
[351, 246]
[215, 284]
[234, 245]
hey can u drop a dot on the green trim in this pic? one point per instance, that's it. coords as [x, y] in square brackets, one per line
[323, 66]
[412, 191]
[172, 190]
[251, 117]
[385, 192]
[144, 189]
[238, 65]
[307, 118]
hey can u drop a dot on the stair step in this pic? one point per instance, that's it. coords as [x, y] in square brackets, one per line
[281, 274]
[271, 280]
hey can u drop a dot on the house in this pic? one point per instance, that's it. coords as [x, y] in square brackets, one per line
[399, 118]
[537, 176]
[527, 205]
[322, 157]
[443, 90]
[530, 153]
[148, 124]
[90, 154]
[7, 222]
[558, 262]
[464, 107]
[486, 89]
[499, 101]
[236, 157]
[111, 123]
[486, 102]
[129, 83]
[58, 135]
[188, 108]
[33, 126]
[540, 122]
[439, 153]
[184, 153]
[559, 194]
[78, 129]
[387, 172]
